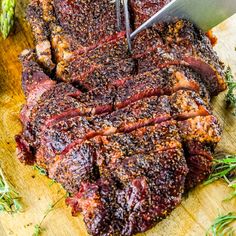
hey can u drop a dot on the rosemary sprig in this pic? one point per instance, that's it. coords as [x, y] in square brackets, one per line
[231, 94]
[52, 182]
[38, 229]
[41, 170]
[7, 16]
[220, 226]
[9, 198]
[225, 168]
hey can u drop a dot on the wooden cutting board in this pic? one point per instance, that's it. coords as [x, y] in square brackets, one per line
[191, 218]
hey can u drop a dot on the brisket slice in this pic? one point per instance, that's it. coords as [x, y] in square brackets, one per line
[53, 101]
[180, 43]
[90, 75]
[108, 61]
[33, 76]
[199, 159]
[131, 203]
[206, 62]
[200, 136]
[142, 10]
[34, 83]
[149, 139]
[63, 100]
[140, 204]
[204, 131]
[129, 90]
[87, 21]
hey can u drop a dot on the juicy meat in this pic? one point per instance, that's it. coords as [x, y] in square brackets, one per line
[200, 136]
[132, 190]
[101, 65]
[143, 10]
[125, 134]
[136, 206]
[180, 43]
[87, 21]
[129, 90]
[109, 150]
[70, 130]
[199, 160]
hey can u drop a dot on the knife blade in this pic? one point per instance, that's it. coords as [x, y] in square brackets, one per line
[204, 13]
[127, 24]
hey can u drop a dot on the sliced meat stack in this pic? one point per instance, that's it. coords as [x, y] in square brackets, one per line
[125, 134]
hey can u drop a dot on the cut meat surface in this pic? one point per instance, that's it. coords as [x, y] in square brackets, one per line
[87, 21]
[34, 83]
[101, 65]
[143, 10]
[134, 189]
[134, 207]
[180, 43]
[89, 75]
[129, 90]
[68, 131]
[109, 150]
[126, 134]
[200, 135]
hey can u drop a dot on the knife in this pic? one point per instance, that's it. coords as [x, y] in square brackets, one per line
[127, 24]
[204, 13]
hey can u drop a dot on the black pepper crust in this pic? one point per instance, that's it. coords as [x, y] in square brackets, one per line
[128, 157]
[125, 134]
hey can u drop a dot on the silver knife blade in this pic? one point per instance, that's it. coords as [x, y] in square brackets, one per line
[204, 13]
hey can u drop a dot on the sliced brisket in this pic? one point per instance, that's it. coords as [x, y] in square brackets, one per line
[138, 193]
[180, 43]
[125, 134]
[143, 10]
[87, 21]
[63, 133]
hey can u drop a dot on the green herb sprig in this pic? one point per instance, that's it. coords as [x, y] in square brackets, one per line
[41, 170]
[7, 16]
[9, 198]
[220, 226]
[225, 168]
[231, 94]
[38, 229]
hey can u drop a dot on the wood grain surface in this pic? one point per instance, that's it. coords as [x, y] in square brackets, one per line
[191, 218]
